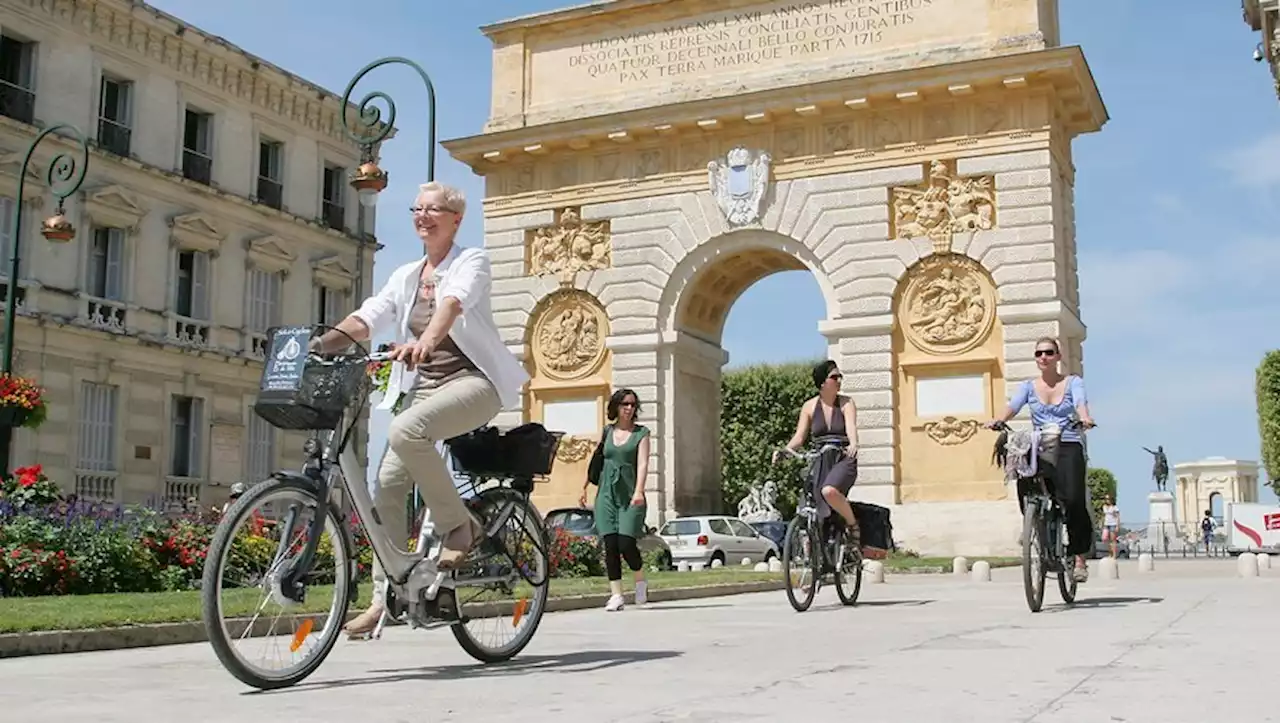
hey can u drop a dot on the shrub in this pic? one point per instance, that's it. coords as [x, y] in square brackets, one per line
[1101, 484]
[1268, 393]
[29, 487]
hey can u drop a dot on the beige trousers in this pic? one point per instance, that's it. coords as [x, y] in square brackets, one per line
[429, 414]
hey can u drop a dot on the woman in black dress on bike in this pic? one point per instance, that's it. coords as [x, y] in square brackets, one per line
[832, 417]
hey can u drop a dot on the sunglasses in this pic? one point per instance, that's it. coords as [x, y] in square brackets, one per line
[836, 377]
[1045, 352]
[627, 404]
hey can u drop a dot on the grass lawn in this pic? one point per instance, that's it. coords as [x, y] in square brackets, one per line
[80, 612]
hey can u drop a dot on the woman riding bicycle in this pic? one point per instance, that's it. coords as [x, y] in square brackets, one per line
[452, 374]
[1054, 399]
[833, 417]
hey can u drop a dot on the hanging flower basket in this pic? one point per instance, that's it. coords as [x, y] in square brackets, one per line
[21, 402]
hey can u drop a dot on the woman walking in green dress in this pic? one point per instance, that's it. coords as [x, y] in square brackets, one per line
[620, 504]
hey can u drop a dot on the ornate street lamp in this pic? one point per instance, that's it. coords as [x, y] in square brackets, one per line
[369, 180]
[66, 173]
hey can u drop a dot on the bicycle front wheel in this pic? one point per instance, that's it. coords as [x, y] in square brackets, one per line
[848, 574]
[1033, 570]
[244, 605]
[1067, 584]
[800, 560]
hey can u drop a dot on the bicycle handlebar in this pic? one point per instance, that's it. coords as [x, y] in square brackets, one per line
[806, 456]
[1073, 423]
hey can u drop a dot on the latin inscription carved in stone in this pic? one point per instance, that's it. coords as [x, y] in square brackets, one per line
[948, 307]
[945, 206]
[568, 341]
[569, 246]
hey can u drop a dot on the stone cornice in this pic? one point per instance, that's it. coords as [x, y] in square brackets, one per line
[156, 38]
[1060, 71]
[577, 13]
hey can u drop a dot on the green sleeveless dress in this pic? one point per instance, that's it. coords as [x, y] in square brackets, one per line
[613, 510]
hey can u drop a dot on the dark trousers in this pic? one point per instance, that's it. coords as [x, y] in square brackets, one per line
[617, 547]
[1067, 484]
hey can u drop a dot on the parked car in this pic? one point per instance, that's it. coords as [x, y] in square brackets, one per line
[776, 531]
[581, 522]
[705, 539]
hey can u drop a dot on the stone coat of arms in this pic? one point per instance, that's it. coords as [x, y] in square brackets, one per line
[739, 184]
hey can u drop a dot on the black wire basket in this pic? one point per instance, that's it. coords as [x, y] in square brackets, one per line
[300, 394]
[525, 451]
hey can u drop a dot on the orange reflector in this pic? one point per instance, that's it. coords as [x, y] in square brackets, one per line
[303, 631]
[521, 607]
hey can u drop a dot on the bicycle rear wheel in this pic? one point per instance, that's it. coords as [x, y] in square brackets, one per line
[1033, 571]
[518, 559]
[233, 588]
[800, 560]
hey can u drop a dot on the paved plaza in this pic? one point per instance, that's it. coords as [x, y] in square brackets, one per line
[1190, 642]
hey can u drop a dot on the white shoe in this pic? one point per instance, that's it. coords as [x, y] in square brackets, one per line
[614, 604]
[642, 593]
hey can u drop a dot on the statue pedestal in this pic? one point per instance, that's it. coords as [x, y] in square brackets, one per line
[1162, 528]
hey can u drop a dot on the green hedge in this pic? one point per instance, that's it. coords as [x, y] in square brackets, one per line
[759, 407]
[1101, 483]
[1268, 388]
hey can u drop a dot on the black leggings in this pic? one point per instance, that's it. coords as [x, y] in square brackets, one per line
[1068, 477]
[617, 547]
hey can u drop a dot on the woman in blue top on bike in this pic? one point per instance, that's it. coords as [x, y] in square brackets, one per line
[1054, 399]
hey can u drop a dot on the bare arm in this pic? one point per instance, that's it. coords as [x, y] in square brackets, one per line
[802, 426]
[442, 321]
[851, 426]
[337, 338]
[642, 470]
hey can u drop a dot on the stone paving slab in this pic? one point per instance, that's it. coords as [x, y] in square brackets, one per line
[1190, 642]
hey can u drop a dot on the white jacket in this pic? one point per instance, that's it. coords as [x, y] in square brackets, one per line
[464, 274]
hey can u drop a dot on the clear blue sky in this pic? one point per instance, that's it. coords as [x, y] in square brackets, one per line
[1175, 198]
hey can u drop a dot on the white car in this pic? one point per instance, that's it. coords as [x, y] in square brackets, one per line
[708, 538]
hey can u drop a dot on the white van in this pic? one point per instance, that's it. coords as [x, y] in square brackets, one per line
[1252, 527]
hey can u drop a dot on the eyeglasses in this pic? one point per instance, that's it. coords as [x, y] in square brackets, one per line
[433, 210]
[836, 377]
[1045, 352]
[627, 404]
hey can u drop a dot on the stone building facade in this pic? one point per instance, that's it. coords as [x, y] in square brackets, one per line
[216, 204]
[647, 161]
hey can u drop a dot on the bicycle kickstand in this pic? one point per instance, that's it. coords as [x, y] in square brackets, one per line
[382, 622]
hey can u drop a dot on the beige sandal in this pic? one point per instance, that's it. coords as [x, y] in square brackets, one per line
[452, 557]
[364, 623]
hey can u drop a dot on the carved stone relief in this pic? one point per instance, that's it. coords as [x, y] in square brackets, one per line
[570, 246]
[944, 206]
[948, 306]
[568, 338]
[738, 184]
[950, 431]
[575, 449]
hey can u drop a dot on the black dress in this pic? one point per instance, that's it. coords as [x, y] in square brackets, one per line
[833, 468]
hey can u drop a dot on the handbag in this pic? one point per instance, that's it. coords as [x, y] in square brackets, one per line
[597, 459]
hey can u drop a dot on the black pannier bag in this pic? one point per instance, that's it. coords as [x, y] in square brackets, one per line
[296, 395]
[875, 529]
[525, 451]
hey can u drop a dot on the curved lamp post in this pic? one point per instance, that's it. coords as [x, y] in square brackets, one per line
[369, 179]
[66, 174]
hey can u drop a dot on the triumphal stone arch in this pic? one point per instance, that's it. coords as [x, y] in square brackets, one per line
[646, 161]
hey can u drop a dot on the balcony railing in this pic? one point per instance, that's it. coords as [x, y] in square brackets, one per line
[114, 137]
[190, 332]
[270, 192]
[197, 166]
[105, 314]
[182, 493]
[17, 102]
[335, 216]
[96, 486]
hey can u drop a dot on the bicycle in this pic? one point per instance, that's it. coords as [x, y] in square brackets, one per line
[325, 395]
[833, 553]
[1044, 526]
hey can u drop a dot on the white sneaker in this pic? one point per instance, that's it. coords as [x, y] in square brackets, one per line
[614, 604]
[642, 593]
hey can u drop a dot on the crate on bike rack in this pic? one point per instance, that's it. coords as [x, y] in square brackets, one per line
[526, 451]
[296, 395]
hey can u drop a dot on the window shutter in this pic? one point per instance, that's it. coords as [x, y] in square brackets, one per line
[114, 276]
[200, 285]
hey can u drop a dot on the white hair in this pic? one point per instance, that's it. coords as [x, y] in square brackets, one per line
[454, 199]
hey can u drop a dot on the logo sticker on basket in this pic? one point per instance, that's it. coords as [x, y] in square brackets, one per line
[285, 363]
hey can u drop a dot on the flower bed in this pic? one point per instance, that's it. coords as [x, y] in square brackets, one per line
[52, 546]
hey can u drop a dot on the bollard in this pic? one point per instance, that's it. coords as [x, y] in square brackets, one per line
[981, 571]
[716, 564]
[1247, 564]
[683, 566]
[959, 566]
[1108, 568]
[1146, 562]
[698, 566]
[873, 570]
[1264, 562]
[746, 562]
[775, 565]
[762, 567]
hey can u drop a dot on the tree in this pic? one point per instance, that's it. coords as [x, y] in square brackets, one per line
[758, 409]
[1268, 392]
[1102, 484]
